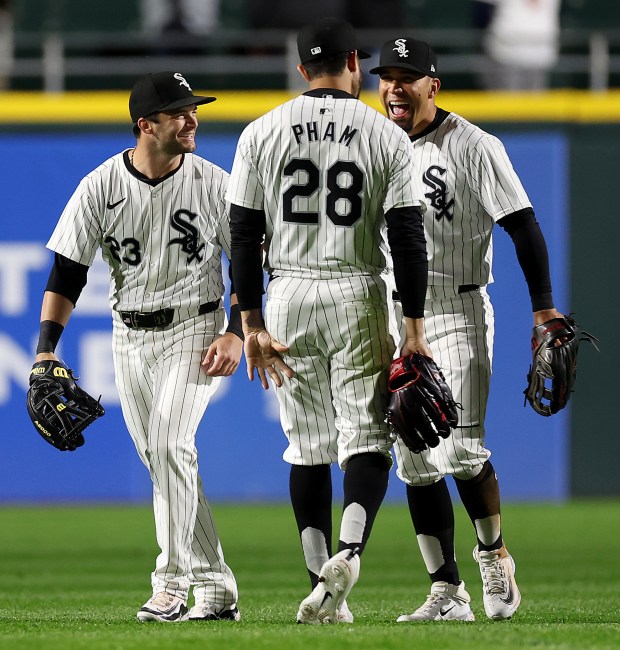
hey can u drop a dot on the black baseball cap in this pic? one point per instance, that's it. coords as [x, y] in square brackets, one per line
[326, 37]
[409, 54]
[162, 91]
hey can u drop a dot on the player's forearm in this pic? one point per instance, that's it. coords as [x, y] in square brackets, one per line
[55, 313]
[247, 228]
[235, 325]
[415, 340]
[252, 319]
[56, 308]
[405, 231]
[414, 328]
[532, 254]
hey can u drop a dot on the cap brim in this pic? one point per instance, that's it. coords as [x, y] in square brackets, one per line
[405, 66]
[363, 55]
[187, 101]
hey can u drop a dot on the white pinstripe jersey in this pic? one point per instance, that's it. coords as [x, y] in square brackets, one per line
[325, 169]
[163, 242]
[469, 184]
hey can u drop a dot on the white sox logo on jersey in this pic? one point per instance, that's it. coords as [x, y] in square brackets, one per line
[190, 239]
[438, 195]
[401, 47]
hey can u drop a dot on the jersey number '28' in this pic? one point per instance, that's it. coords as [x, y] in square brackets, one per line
[351, 193]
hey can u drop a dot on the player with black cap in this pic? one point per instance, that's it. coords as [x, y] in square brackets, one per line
[158, 214]
[321, 184]
[470, 186]
[158, 92]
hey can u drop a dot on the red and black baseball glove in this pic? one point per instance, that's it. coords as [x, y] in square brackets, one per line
[421, 409]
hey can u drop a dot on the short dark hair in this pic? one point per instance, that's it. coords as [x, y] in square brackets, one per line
[327, 66]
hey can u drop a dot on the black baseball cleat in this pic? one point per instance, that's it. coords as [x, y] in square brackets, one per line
[209, 612]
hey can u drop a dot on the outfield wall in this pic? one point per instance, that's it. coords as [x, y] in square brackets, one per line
[240, 441]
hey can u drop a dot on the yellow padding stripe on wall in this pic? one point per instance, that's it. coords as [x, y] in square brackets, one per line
[105, 107]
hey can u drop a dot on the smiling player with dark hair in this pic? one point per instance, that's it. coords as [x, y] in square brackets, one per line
[158, 214]
[470, 186]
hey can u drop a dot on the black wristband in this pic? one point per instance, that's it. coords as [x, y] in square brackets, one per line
[234, 322]
[49, 335]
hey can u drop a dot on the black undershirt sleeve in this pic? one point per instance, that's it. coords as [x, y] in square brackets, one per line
[67, 278]
[532, 254]
[247, 230]
[230, 277]
[405, 234]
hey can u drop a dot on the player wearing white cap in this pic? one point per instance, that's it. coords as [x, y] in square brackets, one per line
[319, 178]
[158, 214]
[470, 186]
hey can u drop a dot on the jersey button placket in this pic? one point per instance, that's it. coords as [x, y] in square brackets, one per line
[157, 221]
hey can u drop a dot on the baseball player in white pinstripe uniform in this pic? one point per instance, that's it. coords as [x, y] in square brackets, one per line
[319, 177]
[470, 186]
[159, 216]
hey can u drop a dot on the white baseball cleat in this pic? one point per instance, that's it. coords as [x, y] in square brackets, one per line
[500, 593]
[345, 615]
[206, 611]
[163, 607]
[446, 602]
[336, 579]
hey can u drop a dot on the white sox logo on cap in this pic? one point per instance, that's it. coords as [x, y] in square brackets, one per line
[162, 91]
[401, 47]
[182, 81]
[409, 54]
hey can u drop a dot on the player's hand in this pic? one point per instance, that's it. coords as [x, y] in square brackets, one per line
[545, 315]
[415, 339]
[223, 356]
[263, 353]
[46, 356]
[412, 345]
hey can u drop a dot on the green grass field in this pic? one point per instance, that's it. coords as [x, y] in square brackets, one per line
[74, 577]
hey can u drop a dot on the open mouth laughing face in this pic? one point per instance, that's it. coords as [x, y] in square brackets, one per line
[403, 94]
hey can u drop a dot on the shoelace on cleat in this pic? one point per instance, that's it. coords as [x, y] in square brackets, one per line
[494, 576]
[162, 600]
[431, 601]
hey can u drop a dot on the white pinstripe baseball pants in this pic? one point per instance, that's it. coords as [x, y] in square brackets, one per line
[340, 348]
[459, 329]
[164, 394]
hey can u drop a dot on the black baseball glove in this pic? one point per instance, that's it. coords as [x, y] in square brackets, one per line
[59, 409]
[554, 366]
[420, 407]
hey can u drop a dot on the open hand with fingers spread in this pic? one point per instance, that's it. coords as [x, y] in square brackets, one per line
[263, 352]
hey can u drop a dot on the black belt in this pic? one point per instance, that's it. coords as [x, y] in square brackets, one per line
[160, 318]
[464, 288]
